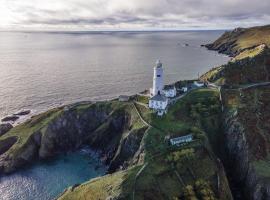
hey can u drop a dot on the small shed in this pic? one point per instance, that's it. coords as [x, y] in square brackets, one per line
[181, 140]
[199, 83]
[123, 98]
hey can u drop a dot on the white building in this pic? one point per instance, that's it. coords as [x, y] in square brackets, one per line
[169, 91]
[157, 80]
[184, 89]
[181, 140]
[123, 98]
[159, 103]
[198, 83]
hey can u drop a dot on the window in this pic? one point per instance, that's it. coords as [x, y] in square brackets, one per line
[158, 75]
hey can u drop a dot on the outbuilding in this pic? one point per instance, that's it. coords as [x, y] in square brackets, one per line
[123, 98]
[199, 83]
[181, 140]
[169, 91]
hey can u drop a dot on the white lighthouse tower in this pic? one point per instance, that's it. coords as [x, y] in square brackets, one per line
[157, 79]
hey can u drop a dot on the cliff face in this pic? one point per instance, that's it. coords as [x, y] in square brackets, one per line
[245, 92]
[106, 127]
[247, 138]
[247, 70]
[234, 42]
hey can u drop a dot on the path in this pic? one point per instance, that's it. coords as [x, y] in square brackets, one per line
[135, 181]
[172, 101]
[142, 104]
[139, 114]
[179, 178]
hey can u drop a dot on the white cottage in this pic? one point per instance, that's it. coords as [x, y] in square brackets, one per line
[159, 103]
[169, 91]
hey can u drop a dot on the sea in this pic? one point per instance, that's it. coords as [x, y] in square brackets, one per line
[46, 180]
[42, 70]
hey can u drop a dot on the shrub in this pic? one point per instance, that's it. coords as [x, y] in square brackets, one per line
[203, 190]
[189, 193]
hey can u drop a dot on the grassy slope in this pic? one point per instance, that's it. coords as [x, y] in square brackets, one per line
[250, 66]
[241, 39]
[101, 188]
[249, 53]
[243, 44]
[40, 122]
[197, 112]
[158, 179]
[253, 37]
[25, 130]
[250, 107]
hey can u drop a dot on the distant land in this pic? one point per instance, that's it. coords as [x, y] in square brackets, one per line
[229, 120]
[240, 39]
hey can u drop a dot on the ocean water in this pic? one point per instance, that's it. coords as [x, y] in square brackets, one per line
[45, 181]
[39, 71]
[43, 70]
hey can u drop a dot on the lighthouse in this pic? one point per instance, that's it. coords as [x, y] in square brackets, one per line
[157, 79]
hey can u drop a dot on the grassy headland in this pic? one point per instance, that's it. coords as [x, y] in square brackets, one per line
[240, 39]
[171, 172]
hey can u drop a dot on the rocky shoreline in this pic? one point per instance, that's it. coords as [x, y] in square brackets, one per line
[238, 40]
[98, 125]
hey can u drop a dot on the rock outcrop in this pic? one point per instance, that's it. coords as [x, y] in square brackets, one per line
[106, 127]
[12, 118]
[5, 128]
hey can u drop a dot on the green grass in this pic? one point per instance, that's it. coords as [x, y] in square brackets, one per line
[115, 184]
[142, 99]
[254, 36]
[196, 113]
[249, 53]
[159, 176]
[245, 38]
[25, 130]
[40, 122]
[262, 167]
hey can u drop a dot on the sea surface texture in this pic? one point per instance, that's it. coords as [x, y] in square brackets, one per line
[44, 181]
[43, 70]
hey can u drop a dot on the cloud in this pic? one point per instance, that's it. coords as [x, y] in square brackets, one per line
[132, 14]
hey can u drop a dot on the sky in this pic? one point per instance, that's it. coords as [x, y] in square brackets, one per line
[132, 14]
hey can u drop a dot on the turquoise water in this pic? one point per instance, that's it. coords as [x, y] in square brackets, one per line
[46, 180]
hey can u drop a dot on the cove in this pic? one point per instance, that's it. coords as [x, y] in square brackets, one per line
[46, 180]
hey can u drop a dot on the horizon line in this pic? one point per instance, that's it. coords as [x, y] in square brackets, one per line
[104, 31]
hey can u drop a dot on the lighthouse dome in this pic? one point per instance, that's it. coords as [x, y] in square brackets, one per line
[158, 63]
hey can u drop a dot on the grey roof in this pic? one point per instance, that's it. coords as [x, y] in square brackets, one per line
[159, 97]
[182, 137]
[124, 96]
[168, 87]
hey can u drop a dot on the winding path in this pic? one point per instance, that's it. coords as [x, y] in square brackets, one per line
[135, 181]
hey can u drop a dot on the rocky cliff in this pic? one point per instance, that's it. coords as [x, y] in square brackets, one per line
[113, 129]
[234, 42]
[245, 94]
[248, 69]
[247, 138]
